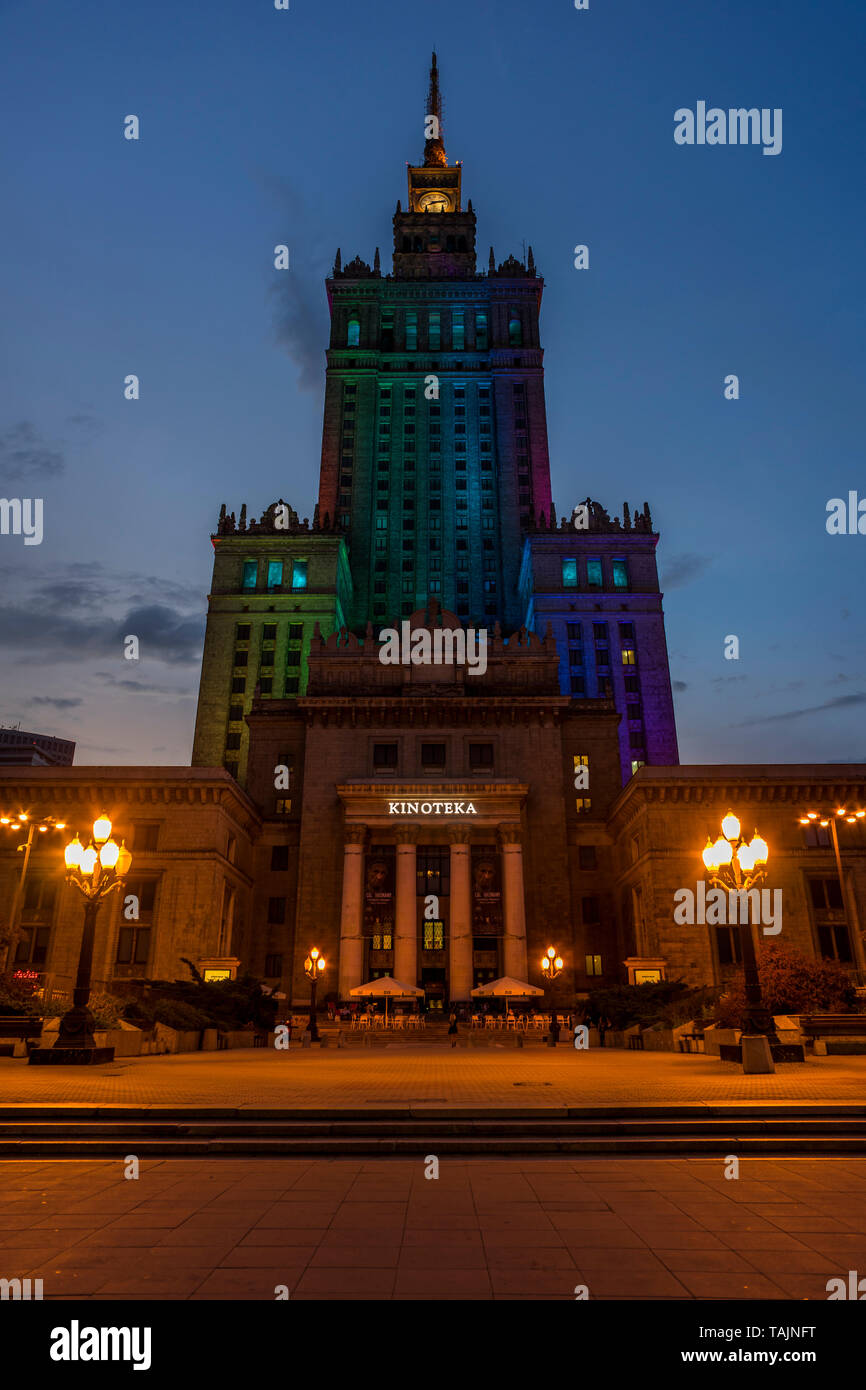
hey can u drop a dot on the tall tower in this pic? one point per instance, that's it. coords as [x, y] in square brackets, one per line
[434, 444]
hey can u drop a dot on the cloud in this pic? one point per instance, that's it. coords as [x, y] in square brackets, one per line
[55, 703]
[727, 680]
[135, 687]
[300, 319]
[24, 454]
[80, 611]
[90, 425]
[684, 569]
[680, 685]
[840, 702]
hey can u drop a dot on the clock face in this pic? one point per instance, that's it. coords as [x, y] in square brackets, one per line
[434, 202]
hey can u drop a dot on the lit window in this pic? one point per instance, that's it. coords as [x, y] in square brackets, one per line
[457, 330]
[593, 574]
[593, 965]
[481, 330]
[620, 574]
[515, 332]
[629, 657]
[353, 337]
[299, 574]
[251, 573]
[569, 574]
[275, 574]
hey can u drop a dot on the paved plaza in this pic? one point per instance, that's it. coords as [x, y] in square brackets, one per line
[485, 1229]
[403, 1073]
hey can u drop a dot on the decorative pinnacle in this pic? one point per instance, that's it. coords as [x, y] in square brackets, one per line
[434, 146]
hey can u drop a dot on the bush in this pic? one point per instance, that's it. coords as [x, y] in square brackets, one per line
[106, 1009]
[174, 1013]
[668, 1003]
[791, 983]
[17, 997]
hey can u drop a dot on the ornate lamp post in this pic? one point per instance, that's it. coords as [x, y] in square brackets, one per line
[313, 967]
[38, 825]
[831, 819]
[736, 867]
[551, 969]
[95, 870]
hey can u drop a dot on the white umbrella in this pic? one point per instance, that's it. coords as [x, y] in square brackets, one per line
[388, 988]
[506, 986]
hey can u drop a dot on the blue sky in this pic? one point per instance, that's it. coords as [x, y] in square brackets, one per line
[259, 127]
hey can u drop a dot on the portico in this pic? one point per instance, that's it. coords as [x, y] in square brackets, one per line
[477, 819]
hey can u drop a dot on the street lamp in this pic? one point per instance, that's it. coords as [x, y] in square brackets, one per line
[551, 969]
[737, 866]
[38, 825]
[313, 967]
[95, 870]
[831, 819]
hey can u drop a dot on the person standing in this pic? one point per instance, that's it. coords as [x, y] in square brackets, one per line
[452, 1028]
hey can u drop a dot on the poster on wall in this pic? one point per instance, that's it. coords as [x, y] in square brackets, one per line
[486, 892]
[378, 891]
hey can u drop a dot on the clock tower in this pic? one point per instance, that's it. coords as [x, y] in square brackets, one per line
[435, 237]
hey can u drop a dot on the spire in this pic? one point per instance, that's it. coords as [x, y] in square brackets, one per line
[434, 146]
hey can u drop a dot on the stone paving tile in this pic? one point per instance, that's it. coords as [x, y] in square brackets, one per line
[500, 1228]
[430, 1073]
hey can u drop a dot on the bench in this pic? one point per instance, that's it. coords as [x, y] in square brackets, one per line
[20, 1026]
[834, 1025]
[691, 1042]
[635, 1042]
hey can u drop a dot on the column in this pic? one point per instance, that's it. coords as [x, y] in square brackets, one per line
[515, 963]
[351, 938]
[460, 925]
[406, 912]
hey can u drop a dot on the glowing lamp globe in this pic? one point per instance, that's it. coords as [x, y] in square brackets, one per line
[124, 859]
[723, 850]
[109, 854]
[746, 858]
[545, 963]
[709, 855]
[759, 848]
[73, 853]
[101, 828]
[87, 861]
[321, 962]
[731, 827]
[558, 962]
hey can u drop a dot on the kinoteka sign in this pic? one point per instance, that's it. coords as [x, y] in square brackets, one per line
[431, 808]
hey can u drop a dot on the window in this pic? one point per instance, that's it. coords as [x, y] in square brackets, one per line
[572, 631]
[32, 945]
[433, 755]
[269, 632]
[629, 656]
[236, 713]
[593, 965]
[632, 685]
[589, 911]
[635, 764]
[636, 741]
[273, 967]
[242, 632]
[816, 836]
[266, 687]
[293, 656]
[353, 335]
[481, 331]
[457, 330]
[145, 838]
[582, 804]
[599, 632]
[569, 574]
[133, 945]
[239, 685]
[587, 857]
[299, 574]
[434, 936]
[433, 870]
[251, 573]
[411, 331]
[275, 575]
[283, 807]
[626, 632]
[578, 685]
[276, 911]
[481, 756]
[620, 574]
[384, 755]
[594, 577]
[296, 632]
[382, 941]
[434, 330]
[279, 859]
[515, 332]
[241, 658]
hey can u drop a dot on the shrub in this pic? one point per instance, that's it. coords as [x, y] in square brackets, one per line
[17, 997]
[668, 1003]
[791, 983]
[175, 1013]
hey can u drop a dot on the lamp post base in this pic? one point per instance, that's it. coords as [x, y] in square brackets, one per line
[58, 1056]
[756, 1054]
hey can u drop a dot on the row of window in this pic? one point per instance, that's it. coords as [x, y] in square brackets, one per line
[269, 575]
[593, 573]
[439, 330]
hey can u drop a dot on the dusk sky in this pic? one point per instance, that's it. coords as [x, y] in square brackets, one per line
[261, 127]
